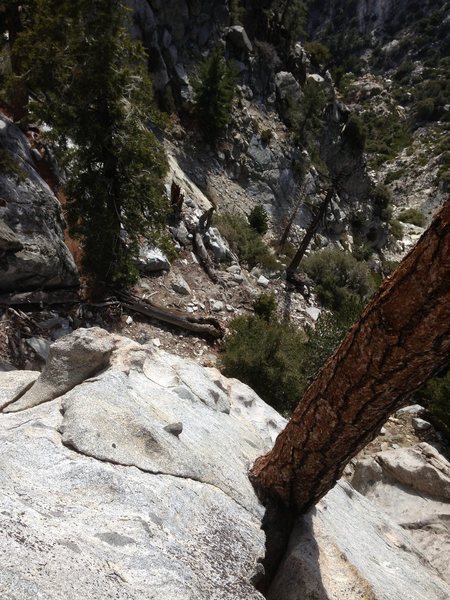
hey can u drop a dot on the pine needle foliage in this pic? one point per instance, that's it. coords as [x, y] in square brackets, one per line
[90, 85]
[214, 92]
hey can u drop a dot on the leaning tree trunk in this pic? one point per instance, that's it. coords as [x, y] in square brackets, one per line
[401, 339]
[295, 263]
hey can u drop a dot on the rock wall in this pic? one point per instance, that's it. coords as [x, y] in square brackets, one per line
[31, 219]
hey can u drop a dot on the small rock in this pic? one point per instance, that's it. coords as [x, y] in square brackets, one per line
[234, 269]
[153, 259]
[414, 409]
[129, 320]
[420, 424]
[156, 342]
[229, 308]
[263, 281]
[174, 428]
[217, 306]
[180, 286]
[238, 278]
[313, 312]
[383, 431]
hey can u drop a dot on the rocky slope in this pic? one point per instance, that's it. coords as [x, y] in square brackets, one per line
[124, 475]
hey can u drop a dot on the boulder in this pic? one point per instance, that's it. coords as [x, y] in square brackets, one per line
[152, 260]
[71, 360]
[31, 223]
[132, 483]
[180, 286]
[106, 488]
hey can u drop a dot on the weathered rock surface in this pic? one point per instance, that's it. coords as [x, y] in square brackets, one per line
[37, 256]
[115, 505]
[71, 360]
[132, 484]
[346, 548]
[14, 384]
[412, 485]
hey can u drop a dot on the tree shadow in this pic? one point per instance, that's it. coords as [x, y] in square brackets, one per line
[298, 574]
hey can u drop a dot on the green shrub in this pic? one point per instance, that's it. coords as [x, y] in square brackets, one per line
[265, 306]
[277, 360]
[389, 266]
[437, 393]
[404, 71]
[396, 229]
[259, 219]
[245, 241]
[412, 215]
[424, 110]
[326, 335]
[320, 54]
[340, 279]
[355, 132]
[267, 356]
[382, 196]
[266, 136]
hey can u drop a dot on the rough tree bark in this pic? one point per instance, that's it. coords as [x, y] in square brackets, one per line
[401, 339]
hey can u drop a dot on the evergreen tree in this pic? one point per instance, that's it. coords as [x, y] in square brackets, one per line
[90, 85]
[214, 92]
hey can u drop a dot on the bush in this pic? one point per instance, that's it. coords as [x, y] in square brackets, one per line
[265, 306]
[267, 356]
[424, 110]
[340, 279]
[277, 360]
[259, 220]
[396, 229]
[381, 195]
[266, 136]
[412, 215]
[355, 132]
[245, 241]
[437, 393]
[320, 55]
[325, 337]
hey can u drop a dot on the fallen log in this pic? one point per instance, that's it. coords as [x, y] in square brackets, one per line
[204, 326]
[40, 297]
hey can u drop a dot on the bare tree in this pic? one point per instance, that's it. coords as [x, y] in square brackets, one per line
[401, 340]
[295, 262]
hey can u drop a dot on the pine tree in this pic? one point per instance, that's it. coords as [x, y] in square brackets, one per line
[89, 84]
[214, 92]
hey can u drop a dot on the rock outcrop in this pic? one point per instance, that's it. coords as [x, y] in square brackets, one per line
[412, 485]
[130, 481]
[32, 250]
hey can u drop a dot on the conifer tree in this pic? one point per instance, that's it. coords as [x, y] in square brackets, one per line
[90, 86]
[214, 91]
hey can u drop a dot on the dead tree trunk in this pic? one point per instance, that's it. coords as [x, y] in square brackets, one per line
[401, 339]
[294, 264]
[290, 222]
